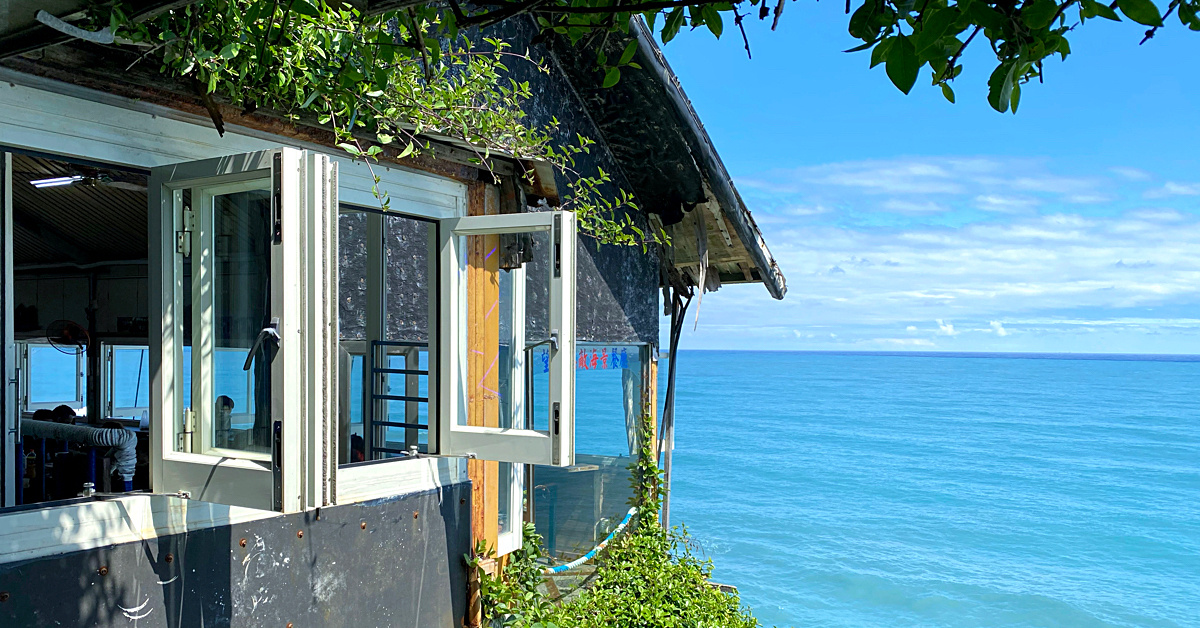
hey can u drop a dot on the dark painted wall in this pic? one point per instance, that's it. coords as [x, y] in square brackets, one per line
[617, 286]
[405, 568]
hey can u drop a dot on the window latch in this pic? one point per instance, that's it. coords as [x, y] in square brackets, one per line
[554, 339]
[269, 334]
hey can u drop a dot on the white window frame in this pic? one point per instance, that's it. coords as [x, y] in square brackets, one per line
[108, 384]
[27, 403]
[303, 186]
[555, 445]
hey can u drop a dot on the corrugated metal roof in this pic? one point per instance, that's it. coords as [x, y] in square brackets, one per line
[75, 223]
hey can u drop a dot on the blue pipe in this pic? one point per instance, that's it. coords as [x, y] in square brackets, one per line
[42, 469]
[20, 473]
[91, 472]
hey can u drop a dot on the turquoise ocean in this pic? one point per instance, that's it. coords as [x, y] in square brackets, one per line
[912, 490]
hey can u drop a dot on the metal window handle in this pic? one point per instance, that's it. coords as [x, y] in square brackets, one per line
[268, 334]
[554, 339]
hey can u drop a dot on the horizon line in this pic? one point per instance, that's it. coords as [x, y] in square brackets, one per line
[937, 353]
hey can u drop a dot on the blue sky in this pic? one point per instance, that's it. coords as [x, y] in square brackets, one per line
[908, 223]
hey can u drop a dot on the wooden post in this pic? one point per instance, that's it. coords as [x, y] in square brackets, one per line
[651, 401]
[483, 352]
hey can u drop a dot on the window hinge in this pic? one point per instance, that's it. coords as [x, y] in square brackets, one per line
[189, 428]
[183, 239]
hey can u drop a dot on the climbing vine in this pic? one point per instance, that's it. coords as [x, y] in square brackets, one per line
[386, 84]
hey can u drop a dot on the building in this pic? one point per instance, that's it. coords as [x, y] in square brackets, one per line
[319, 403]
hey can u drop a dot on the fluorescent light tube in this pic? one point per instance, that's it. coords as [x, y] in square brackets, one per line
[49, 183]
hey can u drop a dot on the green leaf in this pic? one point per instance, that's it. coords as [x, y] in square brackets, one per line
[601, 58]
[350, 148]
[880, 53]
[1141, 11]
[1000, 86]
[671, 25]
[627, 55]
[1016, 97]
[1064, 48]
[903, 64]
[305, 7]
[860, 22]
[934, 27]
[611, 77]
[712, 19]
[862, 46]
[311, 97]
[230, 51]
[983, 15]
[1038, 14]
[948, 93]
[1092, 8]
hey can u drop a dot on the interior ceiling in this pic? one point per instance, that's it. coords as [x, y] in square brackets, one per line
[80, 223]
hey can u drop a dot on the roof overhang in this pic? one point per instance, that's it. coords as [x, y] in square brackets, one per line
[725, 211]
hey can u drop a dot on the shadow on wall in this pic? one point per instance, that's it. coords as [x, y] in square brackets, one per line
[396, 561]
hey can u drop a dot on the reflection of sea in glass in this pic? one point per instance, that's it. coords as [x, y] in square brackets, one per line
[575, 508]
[131, 377]
[241, 301]
[53, 375]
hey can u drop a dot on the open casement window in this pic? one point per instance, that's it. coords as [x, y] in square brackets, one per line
[241, 255]
[508, 290]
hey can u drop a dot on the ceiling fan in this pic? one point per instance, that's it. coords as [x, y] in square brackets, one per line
[86, 177]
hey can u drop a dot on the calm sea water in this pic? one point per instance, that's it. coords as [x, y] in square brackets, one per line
[885, 490]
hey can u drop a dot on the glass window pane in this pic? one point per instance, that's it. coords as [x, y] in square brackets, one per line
[407, 243]
[130, 382]
[54, 376]
[241, 297]
[507, 518]
[352, 275]
[575, 509]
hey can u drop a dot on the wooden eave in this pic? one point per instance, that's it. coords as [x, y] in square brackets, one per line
[736, 247]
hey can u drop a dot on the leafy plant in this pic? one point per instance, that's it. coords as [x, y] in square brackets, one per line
[386, 84]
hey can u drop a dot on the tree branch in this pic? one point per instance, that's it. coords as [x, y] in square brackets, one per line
[949, 73]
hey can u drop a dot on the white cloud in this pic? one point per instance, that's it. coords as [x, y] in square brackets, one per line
[905, 342]
[806, 210]
[945, 329]
[1087, 199]
[912, 207]
[859, 273]
[1171, 188]
[1002, 203]
[1157, 215]
[1133, 174]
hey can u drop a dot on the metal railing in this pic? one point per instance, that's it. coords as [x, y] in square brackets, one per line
[379, 394]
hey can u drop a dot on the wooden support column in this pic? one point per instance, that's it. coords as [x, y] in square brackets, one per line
[651, 400]
[483, 356]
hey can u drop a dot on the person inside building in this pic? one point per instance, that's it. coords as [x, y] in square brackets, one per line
[223, 422]
[65, 414]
